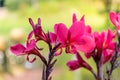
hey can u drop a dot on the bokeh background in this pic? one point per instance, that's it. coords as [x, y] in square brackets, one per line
[14, 28]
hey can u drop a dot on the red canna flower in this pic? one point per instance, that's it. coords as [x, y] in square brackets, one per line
[37, 31]
[75, 37]
[29, 49]
[115, 19]
[104, 45]
[19, 49]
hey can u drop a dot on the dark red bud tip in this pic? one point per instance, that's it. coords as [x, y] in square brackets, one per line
[39, 21]
[31, 22]
[74, 17]
[82, 18]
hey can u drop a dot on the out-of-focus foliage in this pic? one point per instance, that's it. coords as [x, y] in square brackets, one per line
[15, 4]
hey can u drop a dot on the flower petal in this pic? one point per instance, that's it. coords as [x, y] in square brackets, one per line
[82, 62]
[114, 20]
[18, 49]
[98, 40]
[85, 44]
[30, 35]
[76, 30]
[74, 18]
[61, 32]
[107, 55]
[108, 42]
[32, 23]
[39, 21]
[82, 18]
[31, 45]
[73, 65]
[88, 29]
[79, 58]
[53, 37]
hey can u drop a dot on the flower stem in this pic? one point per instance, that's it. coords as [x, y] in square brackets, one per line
[47, 69]
[99, 71]
[112, 63]
[94, 74]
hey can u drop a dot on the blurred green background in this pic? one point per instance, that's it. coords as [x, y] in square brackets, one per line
[14, 28]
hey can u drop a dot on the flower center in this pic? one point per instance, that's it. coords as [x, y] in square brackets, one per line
[67, 50]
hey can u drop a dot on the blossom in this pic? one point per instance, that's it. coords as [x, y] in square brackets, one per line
[74, 38]
[79, 63]
[29, 49]
[104, 46]
[37, 31]
[19, 49]
[115, 19]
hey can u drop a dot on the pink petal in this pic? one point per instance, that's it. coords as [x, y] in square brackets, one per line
[61, 32]
[39, 21]
[88, 55]
[72, 50]
[98, 40]
[107, 55]
[73, 65]
[118, 18]
[103, 36]
[85, 44]
[79, 58]
[108, 42]
[31, 45]
[74, 18]
[32, 23]
[76, 30]
[82, 62]
[113, 19]
[82, 18]
[53, 37]
[88, 29]
[30, 35]
[38, 31]
[112, 45]
[17, 49]
[109, 36]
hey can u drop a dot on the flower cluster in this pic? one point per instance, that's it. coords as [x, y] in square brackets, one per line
[102, 47]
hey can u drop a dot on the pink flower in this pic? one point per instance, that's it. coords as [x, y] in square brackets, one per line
[19, 49]
[115, 19]
[79, 63]
[104, 46]
[75, 37]
[107, 55]
[87, 27]
[37, 31]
